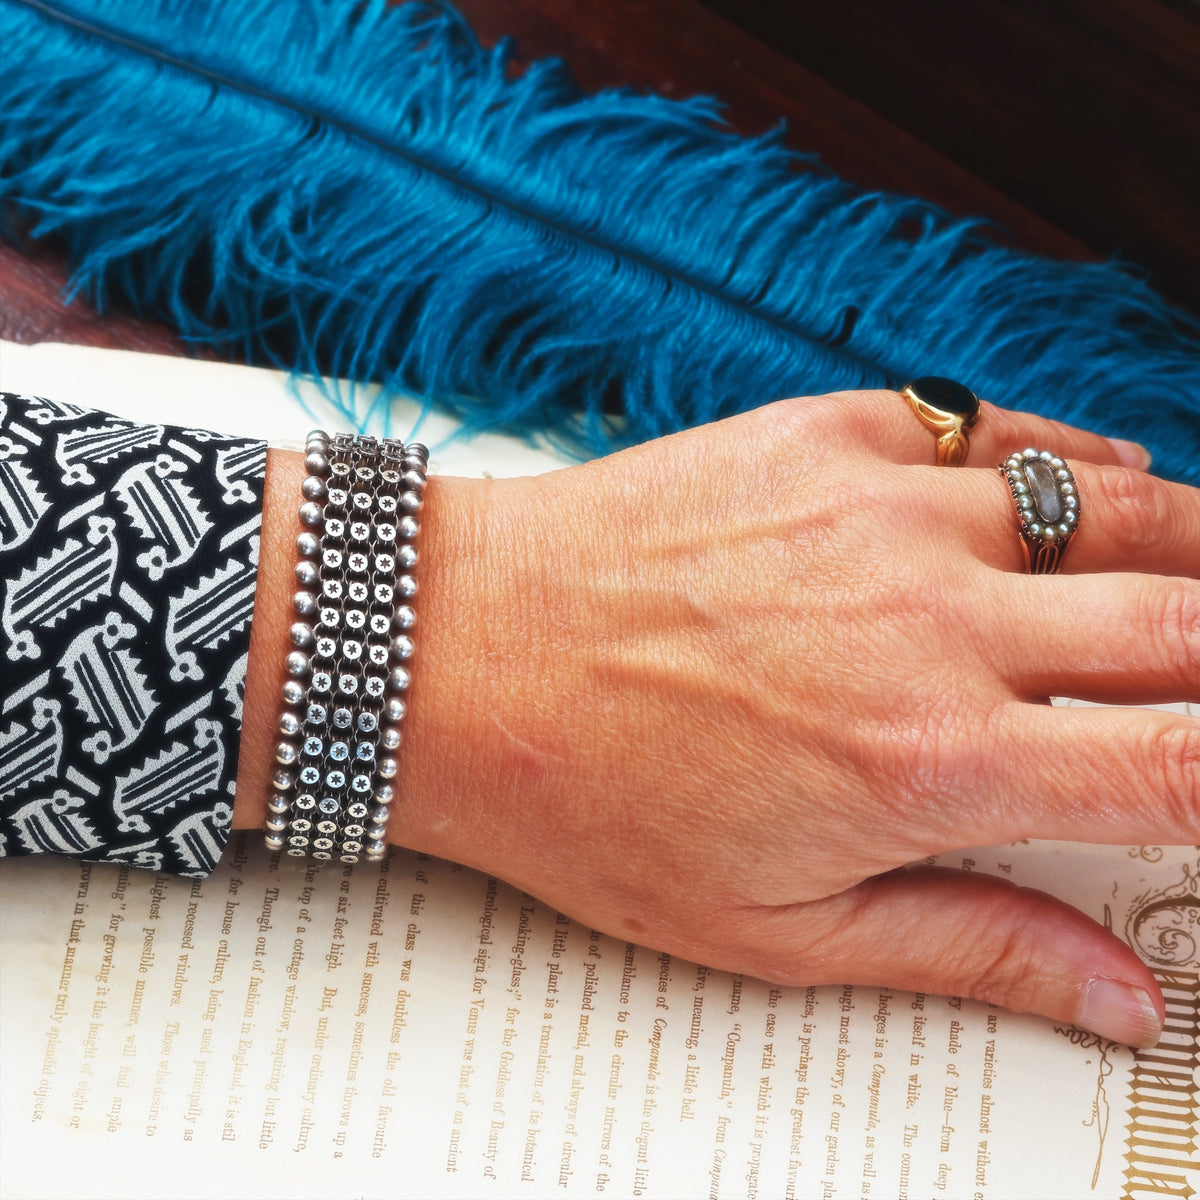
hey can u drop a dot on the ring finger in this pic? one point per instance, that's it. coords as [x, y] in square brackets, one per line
[1128, 521]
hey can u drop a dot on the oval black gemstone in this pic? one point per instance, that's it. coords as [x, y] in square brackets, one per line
[945, 394]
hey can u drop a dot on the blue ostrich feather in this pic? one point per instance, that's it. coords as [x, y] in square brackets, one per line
[364, 190]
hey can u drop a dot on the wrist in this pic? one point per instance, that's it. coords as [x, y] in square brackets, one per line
[444, 761]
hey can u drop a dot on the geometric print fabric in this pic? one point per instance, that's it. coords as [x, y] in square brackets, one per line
[128, 561]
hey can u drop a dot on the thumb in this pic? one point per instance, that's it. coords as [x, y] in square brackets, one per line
[934, 929]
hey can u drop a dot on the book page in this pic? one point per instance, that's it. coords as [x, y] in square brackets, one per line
[414, 1028]
[417, 1029]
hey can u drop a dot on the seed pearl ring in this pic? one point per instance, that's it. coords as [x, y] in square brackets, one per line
[1047, 506]
[947, 409]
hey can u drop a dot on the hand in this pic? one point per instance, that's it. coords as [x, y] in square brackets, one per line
[714, 693]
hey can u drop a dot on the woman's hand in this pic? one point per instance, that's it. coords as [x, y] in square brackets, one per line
[712, 694]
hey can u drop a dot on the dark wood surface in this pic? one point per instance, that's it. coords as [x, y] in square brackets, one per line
[681, 48]
[1084, 111]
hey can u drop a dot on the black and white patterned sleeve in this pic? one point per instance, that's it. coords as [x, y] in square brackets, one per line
[128, 557]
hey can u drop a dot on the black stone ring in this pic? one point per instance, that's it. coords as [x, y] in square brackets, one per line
[1047, 505]
[949, 410]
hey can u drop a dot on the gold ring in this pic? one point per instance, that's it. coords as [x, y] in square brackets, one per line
[949, 410]
[1047, 506]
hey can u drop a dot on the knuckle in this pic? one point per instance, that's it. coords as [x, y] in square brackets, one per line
[1172, 756]
[1169, 612]
[1138, 510]
[1005, 972]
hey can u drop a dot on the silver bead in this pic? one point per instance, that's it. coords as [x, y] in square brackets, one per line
[406, 587]
[307, 573]
[402, 648]
[316, 435]
[286, 753]
[413, 480]
[385, 793]
[394, 709]
[410, 502]
[274, 841]
[376, 832]
[289, 723]
[302, 635]
[313, 488]
[316, 463]
[297, 664]
[386, 768]
[312, 514]
[408, 528]
[308, 544]
[282, 780]
[305, 604]
[276, 824]
[389, 739]
[398, 679]
[406, 557]
[293, 692]
[403, 619]
[278, 803]
[376, 849]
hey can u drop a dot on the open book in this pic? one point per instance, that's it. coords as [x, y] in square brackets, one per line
[413, 1028]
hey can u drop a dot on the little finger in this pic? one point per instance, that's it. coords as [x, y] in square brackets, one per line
[1123, 520]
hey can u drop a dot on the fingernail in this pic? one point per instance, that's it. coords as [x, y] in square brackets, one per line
[1121, 1012]
[1131, 454]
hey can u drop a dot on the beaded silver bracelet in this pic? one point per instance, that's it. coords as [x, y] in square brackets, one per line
[347, 676]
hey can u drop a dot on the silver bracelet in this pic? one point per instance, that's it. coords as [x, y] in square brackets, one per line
[347, 676]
